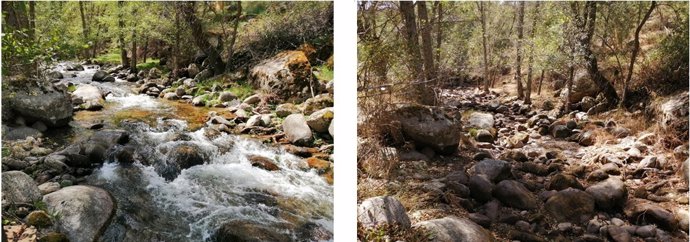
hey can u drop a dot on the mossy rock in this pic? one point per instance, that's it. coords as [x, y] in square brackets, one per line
[39, 219]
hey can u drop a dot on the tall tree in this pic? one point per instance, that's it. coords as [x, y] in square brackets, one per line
[32, 20]
[636, 49]
[585, 25]
[528, 87]
[121, 33]
[427, 49]
[201, 38]
[485, 73]
[518, 49]
[411, 36]
[233, 36]
[84, 27]
[439, 31]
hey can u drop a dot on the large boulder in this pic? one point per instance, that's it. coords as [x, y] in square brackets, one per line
[570, 205]
[287, 74]
[179, 156]
[583, 86]
[455, 229]
[85, 211]
[480, 120]
[609, 194]
[89, 96]
[19, 188]
[297, 130]
[52, 107]
[21, 133]
[429, 126]
[673, 115]
[382, 210]
[99, 76]
[285, 109]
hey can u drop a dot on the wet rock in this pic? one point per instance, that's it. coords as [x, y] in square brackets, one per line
[493, 170]
[180, 91]
[570, 205]
[239, 230]
[455, 229]
[21, 133]
[619, 234]
[481, 188]
[84, 211]
[514, 194]
[39, 218]
[125, 155]
[429, 127]
[186, 155]
[484, 136]
[563, 181]
[286, 74]
[285, 109]
[132, 78]
[99, 76]
[480, 120]
[263, 162]
[320, 120]
[19, 188]
[297, 130]
[382, 210]
[316, 103]
[640, 211]
[609, 194]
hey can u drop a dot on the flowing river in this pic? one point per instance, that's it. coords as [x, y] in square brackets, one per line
[293, 202]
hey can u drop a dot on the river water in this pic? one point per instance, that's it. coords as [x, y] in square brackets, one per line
[294, 201]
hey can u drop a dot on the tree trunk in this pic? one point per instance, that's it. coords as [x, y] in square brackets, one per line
[233, 38]
[133, 66]
[591, 60]
[636, 49]
[146, 49]
[528, 88]
[176, 46]
[84, 27]
[571, 77]
[32, 20]
[427, 50]
[439, 32]
[121, 34]
[482, 13]
[424, 95]
[541, 79]
[201, 38]
[518, 50]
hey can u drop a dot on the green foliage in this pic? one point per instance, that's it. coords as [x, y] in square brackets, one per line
[324, 73]
[72, 88]
[242, 90]
[109, 58]
[150, 63]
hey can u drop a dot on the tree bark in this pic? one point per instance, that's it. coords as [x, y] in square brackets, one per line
[424, 94]
[32, 20]
[482, 13]
[233, 38]
[439, 32]
[541, 79]
[84, 27]
[636, 49]
[201, 38]
[146, 49]
[121, 34]
[133, 66]
[591, 60]
[427, 49]
[528, 87]
[518, 49]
